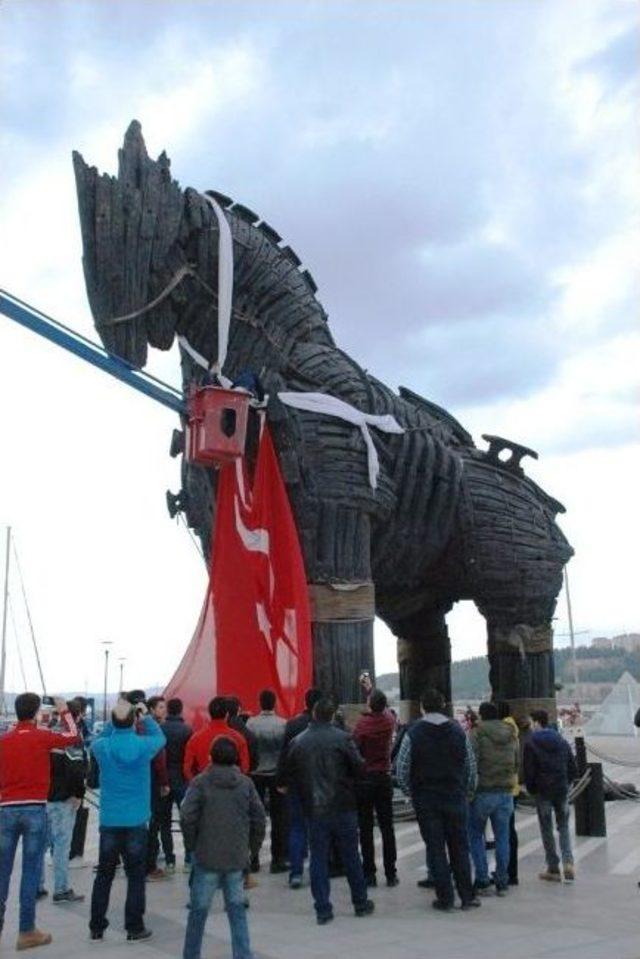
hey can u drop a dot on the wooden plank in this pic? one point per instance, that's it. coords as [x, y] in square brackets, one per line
[337, 602]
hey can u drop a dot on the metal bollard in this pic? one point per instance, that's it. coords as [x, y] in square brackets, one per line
[589, 805]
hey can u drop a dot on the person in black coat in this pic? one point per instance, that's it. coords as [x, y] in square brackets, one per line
[178, 733]
[323, 765]
[297, 841]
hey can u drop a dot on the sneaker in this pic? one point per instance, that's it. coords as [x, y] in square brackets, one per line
[323, 920]
[186, 868]
[371, 881]
[278, 867]
[502, 891]
[392, 881]
[30, 940]
[365, 908]
[170, 868]
[250, 882]
[441, 905]
[140, 935]
[426, 884]
[78, 862]
[42, 893]
[483, 889]
[569, 872]
[67, 896]
[295, 882]
[470, 904]
[156, 875]
[550, 875]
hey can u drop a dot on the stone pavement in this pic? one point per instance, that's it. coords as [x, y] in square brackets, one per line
[596, 918]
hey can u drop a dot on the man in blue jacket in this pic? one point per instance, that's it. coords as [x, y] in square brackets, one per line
[549, 770]
[124, 758]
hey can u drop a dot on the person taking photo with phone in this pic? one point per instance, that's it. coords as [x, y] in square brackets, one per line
[25, 778]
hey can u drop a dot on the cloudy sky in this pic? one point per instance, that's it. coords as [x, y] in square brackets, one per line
[462, 180]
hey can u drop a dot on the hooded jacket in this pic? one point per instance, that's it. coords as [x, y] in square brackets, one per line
[495, 744]
[436, 760]
[124, 759]
[549, 766]
[372, 735]
[197, 754]
[222, 818]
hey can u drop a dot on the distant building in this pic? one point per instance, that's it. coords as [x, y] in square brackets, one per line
[630, 642]
[627, 641]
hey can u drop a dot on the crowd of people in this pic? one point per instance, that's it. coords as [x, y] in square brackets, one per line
[322, 786]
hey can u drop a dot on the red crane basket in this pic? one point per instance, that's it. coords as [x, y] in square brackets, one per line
[217, 425]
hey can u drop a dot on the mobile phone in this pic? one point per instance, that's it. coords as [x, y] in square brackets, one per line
[47, 701]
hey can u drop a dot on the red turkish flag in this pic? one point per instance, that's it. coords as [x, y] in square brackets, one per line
[254, 631]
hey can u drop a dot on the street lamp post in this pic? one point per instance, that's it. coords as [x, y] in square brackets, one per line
[121, 663]
[106, 643]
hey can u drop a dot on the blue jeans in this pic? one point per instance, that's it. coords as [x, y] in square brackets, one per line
[343, 828]
[546, 808]
[298, 848]
[29, 822]
[130, 842]
[204, 885]
[61, 817]
[498, 808]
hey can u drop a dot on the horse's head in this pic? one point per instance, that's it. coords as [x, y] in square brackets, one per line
[141, 232]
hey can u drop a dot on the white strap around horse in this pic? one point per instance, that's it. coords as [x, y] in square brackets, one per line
[225, 292]
[332, 406]
[312, 402]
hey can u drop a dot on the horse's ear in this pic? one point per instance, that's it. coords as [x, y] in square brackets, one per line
[130, 225]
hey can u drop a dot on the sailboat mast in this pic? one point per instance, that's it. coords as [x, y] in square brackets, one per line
[3, 652]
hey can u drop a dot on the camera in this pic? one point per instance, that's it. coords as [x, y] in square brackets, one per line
[47, 701]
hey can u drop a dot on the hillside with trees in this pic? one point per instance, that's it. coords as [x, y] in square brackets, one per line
[470, 677]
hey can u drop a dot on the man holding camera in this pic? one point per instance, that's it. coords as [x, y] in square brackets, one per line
[124, 759]
[25, 775]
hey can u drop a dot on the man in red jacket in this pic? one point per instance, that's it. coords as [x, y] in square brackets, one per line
[197, 755]
[373, 735]
[25, 771]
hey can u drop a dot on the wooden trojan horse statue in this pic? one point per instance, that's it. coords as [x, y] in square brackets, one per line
[439, 521]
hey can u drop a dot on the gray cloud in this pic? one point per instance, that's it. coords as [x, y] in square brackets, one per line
[383, 147]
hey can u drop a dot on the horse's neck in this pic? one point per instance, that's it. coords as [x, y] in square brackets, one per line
[279, 328]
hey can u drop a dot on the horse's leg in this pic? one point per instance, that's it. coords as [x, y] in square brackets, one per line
[521, 667]
[513, 558]
[342, 598]
[424, 657]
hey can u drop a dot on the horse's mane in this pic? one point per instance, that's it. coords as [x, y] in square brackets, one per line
[269, 277]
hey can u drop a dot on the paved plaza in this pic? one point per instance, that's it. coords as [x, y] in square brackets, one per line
[596, 918]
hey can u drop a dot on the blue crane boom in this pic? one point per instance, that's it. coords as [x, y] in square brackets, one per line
[38, 322]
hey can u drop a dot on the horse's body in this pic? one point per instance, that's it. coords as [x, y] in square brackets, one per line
[445, 522]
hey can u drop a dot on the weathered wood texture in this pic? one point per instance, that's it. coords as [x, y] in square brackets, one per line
[447, 521]
[341, 602]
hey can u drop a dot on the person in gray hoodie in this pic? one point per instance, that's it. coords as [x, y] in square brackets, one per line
[222, 819]
[495, 744]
